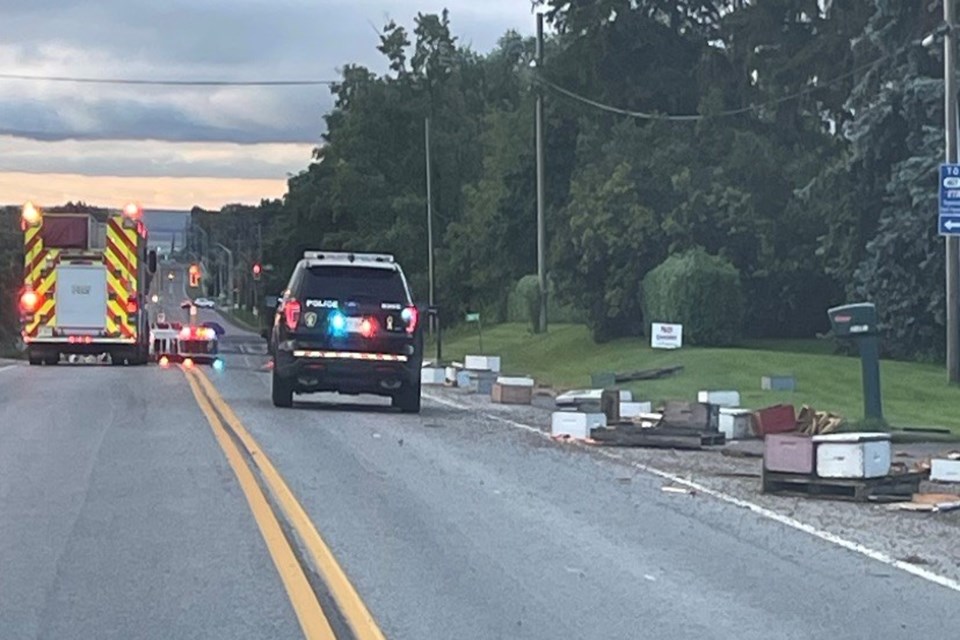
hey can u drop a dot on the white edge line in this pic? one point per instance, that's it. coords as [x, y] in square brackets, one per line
[793, 523]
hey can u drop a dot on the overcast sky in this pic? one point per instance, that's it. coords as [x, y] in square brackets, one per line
[182, 132]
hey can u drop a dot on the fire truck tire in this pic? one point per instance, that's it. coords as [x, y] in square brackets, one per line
[42, 356]
[281, 391]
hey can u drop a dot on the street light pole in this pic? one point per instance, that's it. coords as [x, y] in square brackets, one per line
[952, 242]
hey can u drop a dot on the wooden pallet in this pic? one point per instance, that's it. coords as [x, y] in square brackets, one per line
[856, 489]
[629, 435]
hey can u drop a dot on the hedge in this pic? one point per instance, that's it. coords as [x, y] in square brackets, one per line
[699, 291]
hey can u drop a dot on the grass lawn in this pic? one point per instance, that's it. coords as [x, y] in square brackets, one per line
[914, 395]
[243, 317]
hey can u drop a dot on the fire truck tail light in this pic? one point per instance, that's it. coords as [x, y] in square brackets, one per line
[29, 301]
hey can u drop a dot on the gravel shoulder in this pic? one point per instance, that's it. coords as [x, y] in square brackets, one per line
[924, 539]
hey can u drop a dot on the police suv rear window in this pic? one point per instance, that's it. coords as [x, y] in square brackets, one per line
[353, 283]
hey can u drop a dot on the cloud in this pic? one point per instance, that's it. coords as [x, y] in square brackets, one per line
[151, 192]
[202, 39]
[153, 158]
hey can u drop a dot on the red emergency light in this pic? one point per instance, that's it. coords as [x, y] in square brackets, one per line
[29, 301]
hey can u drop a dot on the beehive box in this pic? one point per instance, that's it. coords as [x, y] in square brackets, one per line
[575, 424]
[853, 455]
[735, 423]
[517, 390]
[788, 453]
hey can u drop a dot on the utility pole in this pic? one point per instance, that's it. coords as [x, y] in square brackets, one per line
[426, 141]
[230, 292]
[541, 233]
[953, 242]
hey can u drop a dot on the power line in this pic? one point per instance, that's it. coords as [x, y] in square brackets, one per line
[167, 83]
[644, 115]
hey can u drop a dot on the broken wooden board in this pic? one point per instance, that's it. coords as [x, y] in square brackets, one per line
[855, 489]
[648, 374]
[657, 437]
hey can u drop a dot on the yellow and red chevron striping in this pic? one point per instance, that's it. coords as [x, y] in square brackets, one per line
[120, 258]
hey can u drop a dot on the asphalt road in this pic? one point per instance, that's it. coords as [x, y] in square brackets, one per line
[120, 517]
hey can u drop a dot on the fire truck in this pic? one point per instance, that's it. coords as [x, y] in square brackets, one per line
[87, 274]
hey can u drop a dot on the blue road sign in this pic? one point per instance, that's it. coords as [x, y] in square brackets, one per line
[949, 222]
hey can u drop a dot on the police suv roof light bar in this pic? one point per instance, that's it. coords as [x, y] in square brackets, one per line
[350, 257]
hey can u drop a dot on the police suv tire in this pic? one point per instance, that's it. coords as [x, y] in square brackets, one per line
[281, 391]
[408, 399]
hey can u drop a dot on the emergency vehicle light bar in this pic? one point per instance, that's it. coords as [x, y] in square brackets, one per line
[30, 215]
[350, 257]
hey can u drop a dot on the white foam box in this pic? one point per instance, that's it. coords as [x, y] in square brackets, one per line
[451, 375]
[736, 423]
[852, 455]
[634, 409]
[482, 363]
[576, 424]
[944, 470]
[433, 376]
[720, 398]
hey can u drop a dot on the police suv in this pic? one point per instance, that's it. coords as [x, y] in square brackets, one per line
[346, 323]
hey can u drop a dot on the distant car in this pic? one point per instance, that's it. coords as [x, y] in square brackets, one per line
[347, 323]
[205, 303]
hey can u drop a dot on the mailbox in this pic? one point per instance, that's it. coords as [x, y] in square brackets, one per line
[859, 322]
[852, 320]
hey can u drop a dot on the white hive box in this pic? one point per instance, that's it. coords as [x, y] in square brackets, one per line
[736, 423]
[944, 470]
[432, 376]
[852, 455]
[720, 398]
[634, 409]
[575, 424]
[482, 363]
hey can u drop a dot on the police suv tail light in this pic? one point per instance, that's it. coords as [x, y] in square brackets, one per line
[291, 313]
[410, 316]
[368, 327]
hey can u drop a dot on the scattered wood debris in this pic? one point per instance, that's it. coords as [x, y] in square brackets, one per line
[928, 502]
[669, 488]
[740, 453]
[814, 423]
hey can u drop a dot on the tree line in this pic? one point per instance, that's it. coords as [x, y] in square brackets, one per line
[796, 140]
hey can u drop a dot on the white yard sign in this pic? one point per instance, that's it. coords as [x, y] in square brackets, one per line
[666, 336]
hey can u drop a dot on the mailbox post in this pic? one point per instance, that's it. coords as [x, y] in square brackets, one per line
[859, 322]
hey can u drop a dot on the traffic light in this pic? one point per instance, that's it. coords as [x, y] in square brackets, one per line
[256, 270]
[194, 275]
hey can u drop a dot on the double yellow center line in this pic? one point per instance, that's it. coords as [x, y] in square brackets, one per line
[314, 622]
